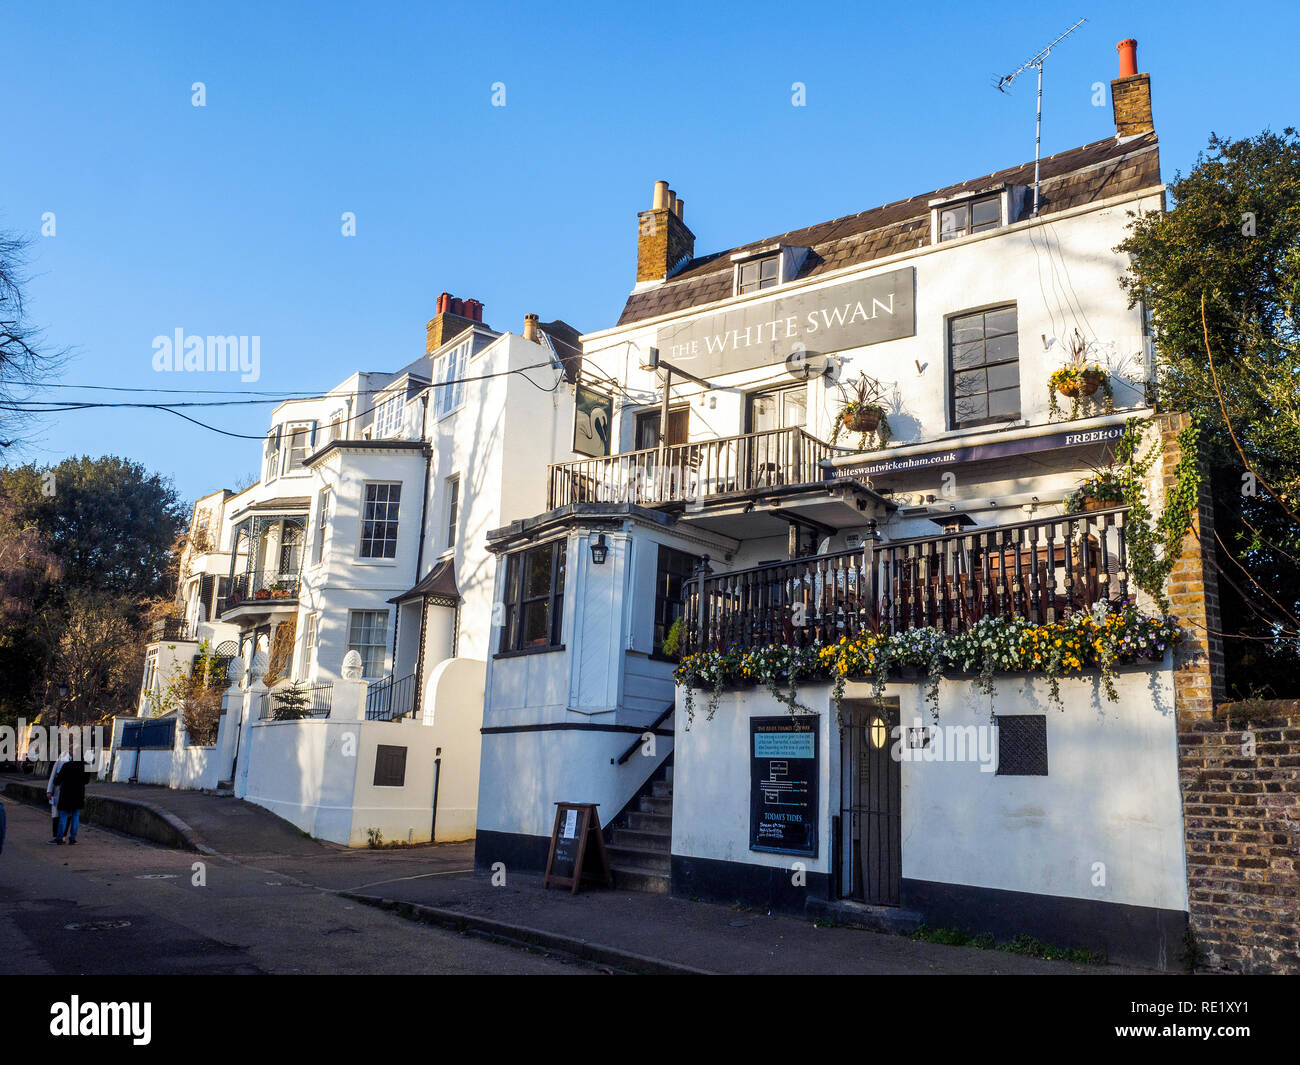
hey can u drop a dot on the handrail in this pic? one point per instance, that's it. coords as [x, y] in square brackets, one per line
[668, 711]
[1039, 569]
[680, 473]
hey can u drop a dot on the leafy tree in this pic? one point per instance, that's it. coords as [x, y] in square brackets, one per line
[1220, 275]
[110, 522]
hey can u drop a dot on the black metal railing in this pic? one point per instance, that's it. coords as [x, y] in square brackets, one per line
[391, 698]
[319, 702]
[1038, 570]
[683, 473]
[267, 588]
[172, 629]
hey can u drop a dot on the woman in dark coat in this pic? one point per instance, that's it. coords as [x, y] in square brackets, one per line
[72, 797]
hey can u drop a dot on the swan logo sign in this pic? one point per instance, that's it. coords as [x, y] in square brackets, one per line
[837, 318]
[593, 414]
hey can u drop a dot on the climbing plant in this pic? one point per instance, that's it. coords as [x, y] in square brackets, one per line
[1155, 544]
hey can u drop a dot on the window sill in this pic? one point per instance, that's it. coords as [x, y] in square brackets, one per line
[530, 651]
[358, 560]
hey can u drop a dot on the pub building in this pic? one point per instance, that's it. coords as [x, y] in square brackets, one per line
[729, 501]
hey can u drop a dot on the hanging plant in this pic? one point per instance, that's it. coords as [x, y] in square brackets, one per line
[1079, 380]
[1102, 490]
[862, 413]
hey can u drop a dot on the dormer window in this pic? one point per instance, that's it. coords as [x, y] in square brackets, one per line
[974, 216]
[758, 274]
[966, 215]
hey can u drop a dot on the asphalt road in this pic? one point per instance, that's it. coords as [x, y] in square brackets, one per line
[117, 905]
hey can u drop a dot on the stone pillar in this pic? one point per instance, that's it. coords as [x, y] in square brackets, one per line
[248, 710]
[1194, 595]
[348, 702]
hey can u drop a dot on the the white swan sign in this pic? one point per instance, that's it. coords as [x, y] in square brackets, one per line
[764, 332]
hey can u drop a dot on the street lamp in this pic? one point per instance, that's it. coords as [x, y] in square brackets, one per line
[63, 694]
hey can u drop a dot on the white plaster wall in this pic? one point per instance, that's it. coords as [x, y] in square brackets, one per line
[1111, 794]
[453, 703]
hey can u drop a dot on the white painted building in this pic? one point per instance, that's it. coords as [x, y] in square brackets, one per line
[365, 534]
[956, 306]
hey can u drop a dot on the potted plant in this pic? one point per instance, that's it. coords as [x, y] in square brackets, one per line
[1078, 380]
[1102, 490]
[861, 412]
[262, 593]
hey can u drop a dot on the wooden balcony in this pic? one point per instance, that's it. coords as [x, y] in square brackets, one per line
[1036, 570]
[686, 473]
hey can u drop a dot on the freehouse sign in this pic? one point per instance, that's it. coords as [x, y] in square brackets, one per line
[850, 315]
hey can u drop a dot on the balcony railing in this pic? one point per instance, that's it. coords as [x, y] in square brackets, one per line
[261, 588]
[1036, 570]
[172, 629]
[391, 699]
[683, 473]
[319, 701]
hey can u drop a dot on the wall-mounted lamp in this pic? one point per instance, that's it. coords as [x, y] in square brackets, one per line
[599, 550]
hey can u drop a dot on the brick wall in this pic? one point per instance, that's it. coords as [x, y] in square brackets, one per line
[663, 240]
[1131, 101]
[1240, 776]
[1239, 772]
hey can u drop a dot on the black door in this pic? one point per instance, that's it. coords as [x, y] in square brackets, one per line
[871, 787]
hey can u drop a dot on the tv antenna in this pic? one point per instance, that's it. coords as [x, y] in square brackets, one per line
[1037, 62]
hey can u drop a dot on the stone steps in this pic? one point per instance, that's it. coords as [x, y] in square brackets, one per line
[640, 850]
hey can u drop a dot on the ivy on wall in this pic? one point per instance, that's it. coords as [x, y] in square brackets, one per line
[1154, 545]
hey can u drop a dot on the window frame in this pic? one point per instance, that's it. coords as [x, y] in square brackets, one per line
[382, 645]
[389, 416]
[448, 399]
[955, 422]
[311, 632]
[452, 511]
[292, 429]
[320, 531]
[968, 204]
[395, 521]
[660, 624]
[516, 604]
[270, 448]
[761, 284]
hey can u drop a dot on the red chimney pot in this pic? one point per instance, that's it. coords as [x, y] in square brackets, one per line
[1128, 57]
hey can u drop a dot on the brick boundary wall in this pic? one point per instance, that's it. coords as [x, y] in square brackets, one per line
[1241, 814]
[1239, 774]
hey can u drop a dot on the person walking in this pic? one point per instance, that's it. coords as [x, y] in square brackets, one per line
[52, 795]
[72, 797]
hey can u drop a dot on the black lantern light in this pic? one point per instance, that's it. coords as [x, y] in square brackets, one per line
[599, 550]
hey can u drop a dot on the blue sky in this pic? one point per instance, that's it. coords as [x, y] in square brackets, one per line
[225, 219]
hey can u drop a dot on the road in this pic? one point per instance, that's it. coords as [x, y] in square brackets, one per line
[118, 905]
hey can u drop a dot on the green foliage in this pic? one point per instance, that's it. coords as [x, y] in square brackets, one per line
[1229, 248]
[1022, 944]
[672, 644]
[289, 703]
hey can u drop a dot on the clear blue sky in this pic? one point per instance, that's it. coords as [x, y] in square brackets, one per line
[225, 219]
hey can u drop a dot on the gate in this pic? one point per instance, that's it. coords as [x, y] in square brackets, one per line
[871, 851]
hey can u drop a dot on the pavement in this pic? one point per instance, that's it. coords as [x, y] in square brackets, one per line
[435, 885]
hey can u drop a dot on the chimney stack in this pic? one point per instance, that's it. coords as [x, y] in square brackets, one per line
[530, 327]
[1130, 94]
[454, 316]
[663, 240]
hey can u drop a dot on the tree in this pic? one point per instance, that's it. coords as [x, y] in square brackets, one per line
[1220, 275]
[110, 522]
[24, 360]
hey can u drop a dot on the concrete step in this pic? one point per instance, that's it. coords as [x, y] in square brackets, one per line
[893, 919]
[650, 822]
[642, 839]
[662, 789]
[638, 859]
[653, 805]
[635, 880]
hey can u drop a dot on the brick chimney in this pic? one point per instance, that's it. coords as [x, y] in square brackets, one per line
[454, 316]
[1130, 94]
[662, 240]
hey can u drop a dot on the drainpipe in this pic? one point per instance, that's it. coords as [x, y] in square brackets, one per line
[437, 774]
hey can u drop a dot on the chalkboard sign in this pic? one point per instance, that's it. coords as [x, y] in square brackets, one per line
[783, 771]
[577, 848]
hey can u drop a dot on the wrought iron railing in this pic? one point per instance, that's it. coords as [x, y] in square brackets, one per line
[172, 629]
[320, 700]
[391, 698]
[1038, 570]
[261, 587]
[682, 473]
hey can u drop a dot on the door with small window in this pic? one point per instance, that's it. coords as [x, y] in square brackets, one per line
[871, 787]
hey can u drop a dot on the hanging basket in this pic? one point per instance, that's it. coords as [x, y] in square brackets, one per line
[1085, 384]
[1097, 504]
[865, 420]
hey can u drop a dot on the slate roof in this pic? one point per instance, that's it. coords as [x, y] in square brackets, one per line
[1069, 179]
[567, 343]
